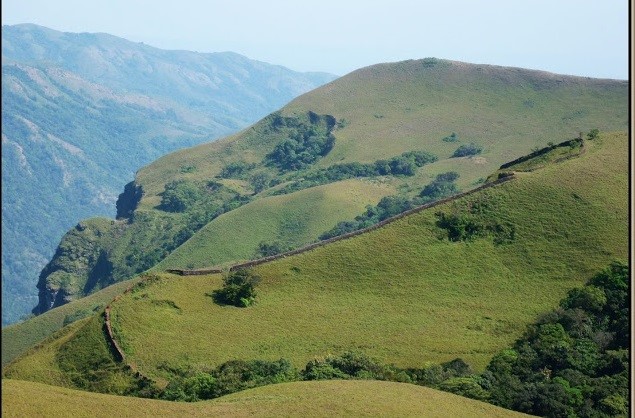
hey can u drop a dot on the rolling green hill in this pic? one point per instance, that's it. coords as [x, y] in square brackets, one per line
[364, 123]
[409, 292]
[346, 398]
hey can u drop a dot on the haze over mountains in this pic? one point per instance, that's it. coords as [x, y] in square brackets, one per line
[82, 112]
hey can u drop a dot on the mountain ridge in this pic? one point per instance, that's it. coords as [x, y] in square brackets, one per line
[408, 106]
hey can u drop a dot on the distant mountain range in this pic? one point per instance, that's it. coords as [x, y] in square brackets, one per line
[82, 112]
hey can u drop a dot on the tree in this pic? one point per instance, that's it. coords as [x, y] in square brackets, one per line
[239, 289]
[180, 195]
[593, 133]
[467, 149]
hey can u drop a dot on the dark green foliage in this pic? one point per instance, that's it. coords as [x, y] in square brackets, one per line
[235, 170]
[229, 377]
[477, 220]
[460, 226]
[260, 181]
[575, 360]
[405, 164]
[451, 138]
[467, 150]
[352, 365]
[239, 289]
[442, 186]
[180, 195]
[266, 249]
[306, 141]
[465, 386]
[593, 133]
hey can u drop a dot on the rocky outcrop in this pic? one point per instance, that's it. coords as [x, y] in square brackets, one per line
[128, 200]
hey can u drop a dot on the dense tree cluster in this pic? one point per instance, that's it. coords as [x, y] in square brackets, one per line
[405, 164]
[389, 206]
[575, 360]
[304, 144]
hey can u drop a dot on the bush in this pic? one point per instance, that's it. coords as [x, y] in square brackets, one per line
[451, 138]
[260, 181]
[442, 186]
[235, 170]
[180, 195]
[353, 365]
[239, 289]
[573, 362]
[465, 386]
[593, 133]
[267, 250]
[467, 150]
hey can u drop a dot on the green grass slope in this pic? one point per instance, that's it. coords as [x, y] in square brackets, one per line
[404, 293]
[325, 398]
[379, 112]
[234, 236]
[18, 338]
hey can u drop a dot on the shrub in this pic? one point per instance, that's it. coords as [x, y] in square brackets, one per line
[235, 169]
[180, 195]
[304, 144]
[260, 181]
[593, 133]
[467, 150]
[451, 138]
[442, 186]
[239, 289]
[465, 386]
[266, 250]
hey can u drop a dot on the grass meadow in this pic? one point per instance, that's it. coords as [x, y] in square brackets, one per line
[299, 399]
[403, 293]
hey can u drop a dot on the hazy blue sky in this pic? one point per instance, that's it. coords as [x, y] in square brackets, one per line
[582, 37]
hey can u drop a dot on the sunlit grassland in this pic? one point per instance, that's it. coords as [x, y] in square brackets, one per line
[317, 398]
[400, 293]
[17, 338]
[76, 350]
[291, 220]
[412, 105]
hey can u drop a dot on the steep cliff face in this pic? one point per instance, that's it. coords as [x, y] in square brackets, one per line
[128, 200]
[80, 263]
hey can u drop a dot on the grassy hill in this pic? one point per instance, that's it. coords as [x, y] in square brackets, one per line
[18, 338]
[376, 113]
[346, 398]
[275, 219]
[405, 293]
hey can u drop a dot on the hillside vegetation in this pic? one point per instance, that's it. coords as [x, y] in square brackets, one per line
[347, 398]
[74, 104]
[407, 293]
[415, 116]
